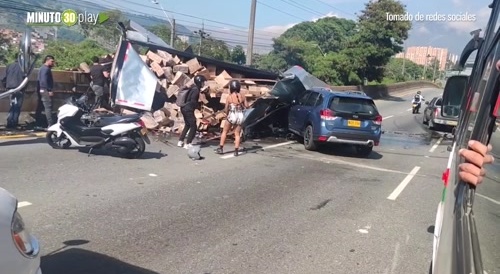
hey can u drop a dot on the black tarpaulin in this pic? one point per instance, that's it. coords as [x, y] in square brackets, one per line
[294, 82]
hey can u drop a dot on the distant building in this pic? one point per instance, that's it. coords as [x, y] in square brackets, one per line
[423, 55]
[14, 38]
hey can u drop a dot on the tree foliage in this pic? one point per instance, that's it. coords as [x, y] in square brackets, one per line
[70, 55]
[163, 32]
[213, 48]
[341, 51]
[238, 55]
[106, 33]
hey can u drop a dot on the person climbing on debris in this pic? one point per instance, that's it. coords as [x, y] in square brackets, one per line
[236, 103]
[187, 100]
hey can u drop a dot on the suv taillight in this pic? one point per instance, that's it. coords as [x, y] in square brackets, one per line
[327, 114]
[436, 112]
[378, 120]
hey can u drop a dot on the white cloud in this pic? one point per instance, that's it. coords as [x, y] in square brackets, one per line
[274, 31]
[481, 19]
[423, 30]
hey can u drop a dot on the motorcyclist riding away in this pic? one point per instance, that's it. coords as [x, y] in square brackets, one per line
[418, 98]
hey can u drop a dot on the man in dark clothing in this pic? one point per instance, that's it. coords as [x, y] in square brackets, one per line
[98, 74]
[14, 76]
[188, 112]
[44, 88]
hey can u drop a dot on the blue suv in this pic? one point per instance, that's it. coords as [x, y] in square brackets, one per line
[324, 116]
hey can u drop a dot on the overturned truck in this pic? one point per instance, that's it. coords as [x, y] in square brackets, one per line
[149, 83]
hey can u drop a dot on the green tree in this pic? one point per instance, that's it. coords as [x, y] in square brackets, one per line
[378, 39]
[163, 32]
[106, 34]
[69, 55]
[7, 50]
[213, 48]
[238, 55]
[400, 70]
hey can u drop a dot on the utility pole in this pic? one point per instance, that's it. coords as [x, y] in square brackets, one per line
[202, 35]
[172, 33]
[404, 61]
[251, 32]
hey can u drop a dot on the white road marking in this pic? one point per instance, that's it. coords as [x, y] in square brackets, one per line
[364, 230]
[23, 204]
[153, 175]
[488, 198]
[390, 116]
[403, 184]
[409, 109]
[264, 148]
[438, 142]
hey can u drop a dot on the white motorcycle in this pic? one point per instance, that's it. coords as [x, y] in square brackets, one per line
[127, 136]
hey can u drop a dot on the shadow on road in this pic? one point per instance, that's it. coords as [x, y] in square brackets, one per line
[80, 261]
[109, 153]
[23, 142]
[347, 151]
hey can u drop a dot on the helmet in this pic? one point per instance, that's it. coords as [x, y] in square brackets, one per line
[419, 92]
[234, 86]
[199, 81]
[194, 152]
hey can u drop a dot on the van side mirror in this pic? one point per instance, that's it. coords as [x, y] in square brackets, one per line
[453, 94]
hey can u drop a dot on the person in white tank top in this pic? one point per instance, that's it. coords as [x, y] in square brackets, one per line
[236, 103]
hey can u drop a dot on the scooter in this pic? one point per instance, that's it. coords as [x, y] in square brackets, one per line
[126, 135]
[415, 107]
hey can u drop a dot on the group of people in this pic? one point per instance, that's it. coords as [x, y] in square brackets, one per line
[14, 76]
[234, 109]
[476, 155]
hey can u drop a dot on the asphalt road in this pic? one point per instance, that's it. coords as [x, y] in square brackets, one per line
[276, 209]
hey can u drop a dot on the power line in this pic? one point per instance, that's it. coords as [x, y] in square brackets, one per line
[302, 7]
[335, 8]
[278, 10]
[26, 8]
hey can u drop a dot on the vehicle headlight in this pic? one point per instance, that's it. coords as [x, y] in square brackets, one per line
[21, 236]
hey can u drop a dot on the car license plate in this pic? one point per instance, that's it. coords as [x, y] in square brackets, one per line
[353, 123]
[451, 123]
[144, 131]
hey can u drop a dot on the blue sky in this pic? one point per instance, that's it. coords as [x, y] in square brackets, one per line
[229, 20]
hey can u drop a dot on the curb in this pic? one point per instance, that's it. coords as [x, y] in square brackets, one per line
[20, 136]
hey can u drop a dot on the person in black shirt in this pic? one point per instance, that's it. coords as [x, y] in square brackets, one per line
[44, 88]
[188, 112]
[98, 74]
[14, 76]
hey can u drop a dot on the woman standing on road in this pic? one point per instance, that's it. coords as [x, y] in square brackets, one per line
[236, 103]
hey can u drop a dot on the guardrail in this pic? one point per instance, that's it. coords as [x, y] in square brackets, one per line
[67, 82]
[385, 91]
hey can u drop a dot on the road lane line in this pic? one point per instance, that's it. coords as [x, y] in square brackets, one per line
[23, 204]
[403, 184]
[488, 198]
[390, 116]
[264, 148]
[438, 142]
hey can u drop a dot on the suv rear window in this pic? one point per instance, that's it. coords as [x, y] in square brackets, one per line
[353, 105]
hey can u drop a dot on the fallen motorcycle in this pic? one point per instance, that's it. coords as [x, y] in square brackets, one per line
[125, 134]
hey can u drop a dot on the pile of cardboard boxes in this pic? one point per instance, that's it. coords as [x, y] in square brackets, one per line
[173, 75]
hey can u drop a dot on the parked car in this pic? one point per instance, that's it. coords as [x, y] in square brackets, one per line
[20, 251]
[324, 116]
[432, 117]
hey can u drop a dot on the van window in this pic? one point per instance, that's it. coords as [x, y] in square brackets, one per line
[439, 102]
[353, 105]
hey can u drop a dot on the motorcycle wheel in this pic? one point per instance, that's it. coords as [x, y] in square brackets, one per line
[140, 147]
[57, 143]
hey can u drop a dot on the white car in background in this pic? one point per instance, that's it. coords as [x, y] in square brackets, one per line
[19, 250]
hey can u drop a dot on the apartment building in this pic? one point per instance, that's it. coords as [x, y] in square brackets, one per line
[423, 55]
[13, 37]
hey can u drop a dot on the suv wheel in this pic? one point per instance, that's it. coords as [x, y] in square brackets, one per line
[364, 151]
[309, 143]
